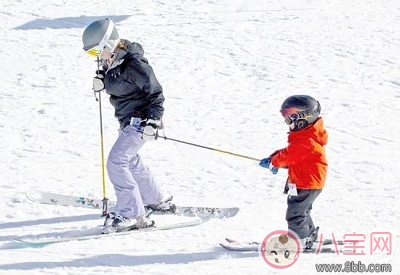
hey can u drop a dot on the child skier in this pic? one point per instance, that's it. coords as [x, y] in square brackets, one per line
[306, 162]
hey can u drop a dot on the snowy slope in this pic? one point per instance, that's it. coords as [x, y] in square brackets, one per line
[225, 66]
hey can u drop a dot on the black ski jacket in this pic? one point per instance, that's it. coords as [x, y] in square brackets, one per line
[133, 87]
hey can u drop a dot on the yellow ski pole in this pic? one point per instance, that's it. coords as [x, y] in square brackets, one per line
[105, 199]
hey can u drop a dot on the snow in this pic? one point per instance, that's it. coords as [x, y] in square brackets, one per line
[225, 66]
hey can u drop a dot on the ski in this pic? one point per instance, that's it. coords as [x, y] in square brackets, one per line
[255, 248]
[326, 246]
[66, 200]
[237, 246]
[96, 233]
[324, 242]
[81, 201]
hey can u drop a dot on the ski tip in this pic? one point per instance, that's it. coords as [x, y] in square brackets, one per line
[232, 212]
[229, 240]
[239, 247]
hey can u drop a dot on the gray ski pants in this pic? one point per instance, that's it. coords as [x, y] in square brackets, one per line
[133, 182]
[298, 213]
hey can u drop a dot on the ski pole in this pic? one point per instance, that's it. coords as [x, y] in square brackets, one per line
[209, 148]
[105, 200]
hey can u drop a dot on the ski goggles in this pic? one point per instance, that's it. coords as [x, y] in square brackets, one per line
[98, 50]
[290, 115]
[291, 118]
[296, 116]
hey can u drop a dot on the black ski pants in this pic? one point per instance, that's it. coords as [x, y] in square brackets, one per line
[298, 212]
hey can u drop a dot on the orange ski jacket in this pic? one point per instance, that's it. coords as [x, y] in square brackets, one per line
[305, 157]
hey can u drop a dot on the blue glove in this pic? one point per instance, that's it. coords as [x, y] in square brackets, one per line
[266, 163]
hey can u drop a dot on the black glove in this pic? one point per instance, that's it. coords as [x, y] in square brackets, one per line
[98, 81]
[150, 131]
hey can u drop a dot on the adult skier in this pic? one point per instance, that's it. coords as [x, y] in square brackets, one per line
[137, 98]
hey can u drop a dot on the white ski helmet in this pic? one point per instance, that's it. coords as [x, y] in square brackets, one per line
[299, 111]
[99, 35]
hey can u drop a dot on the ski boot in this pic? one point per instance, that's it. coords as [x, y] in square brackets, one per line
[310, 240]
[164, 206]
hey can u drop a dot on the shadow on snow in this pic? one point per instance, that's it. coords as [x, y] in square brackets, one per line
[117, 260]
[66, 22]
[54, 220]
